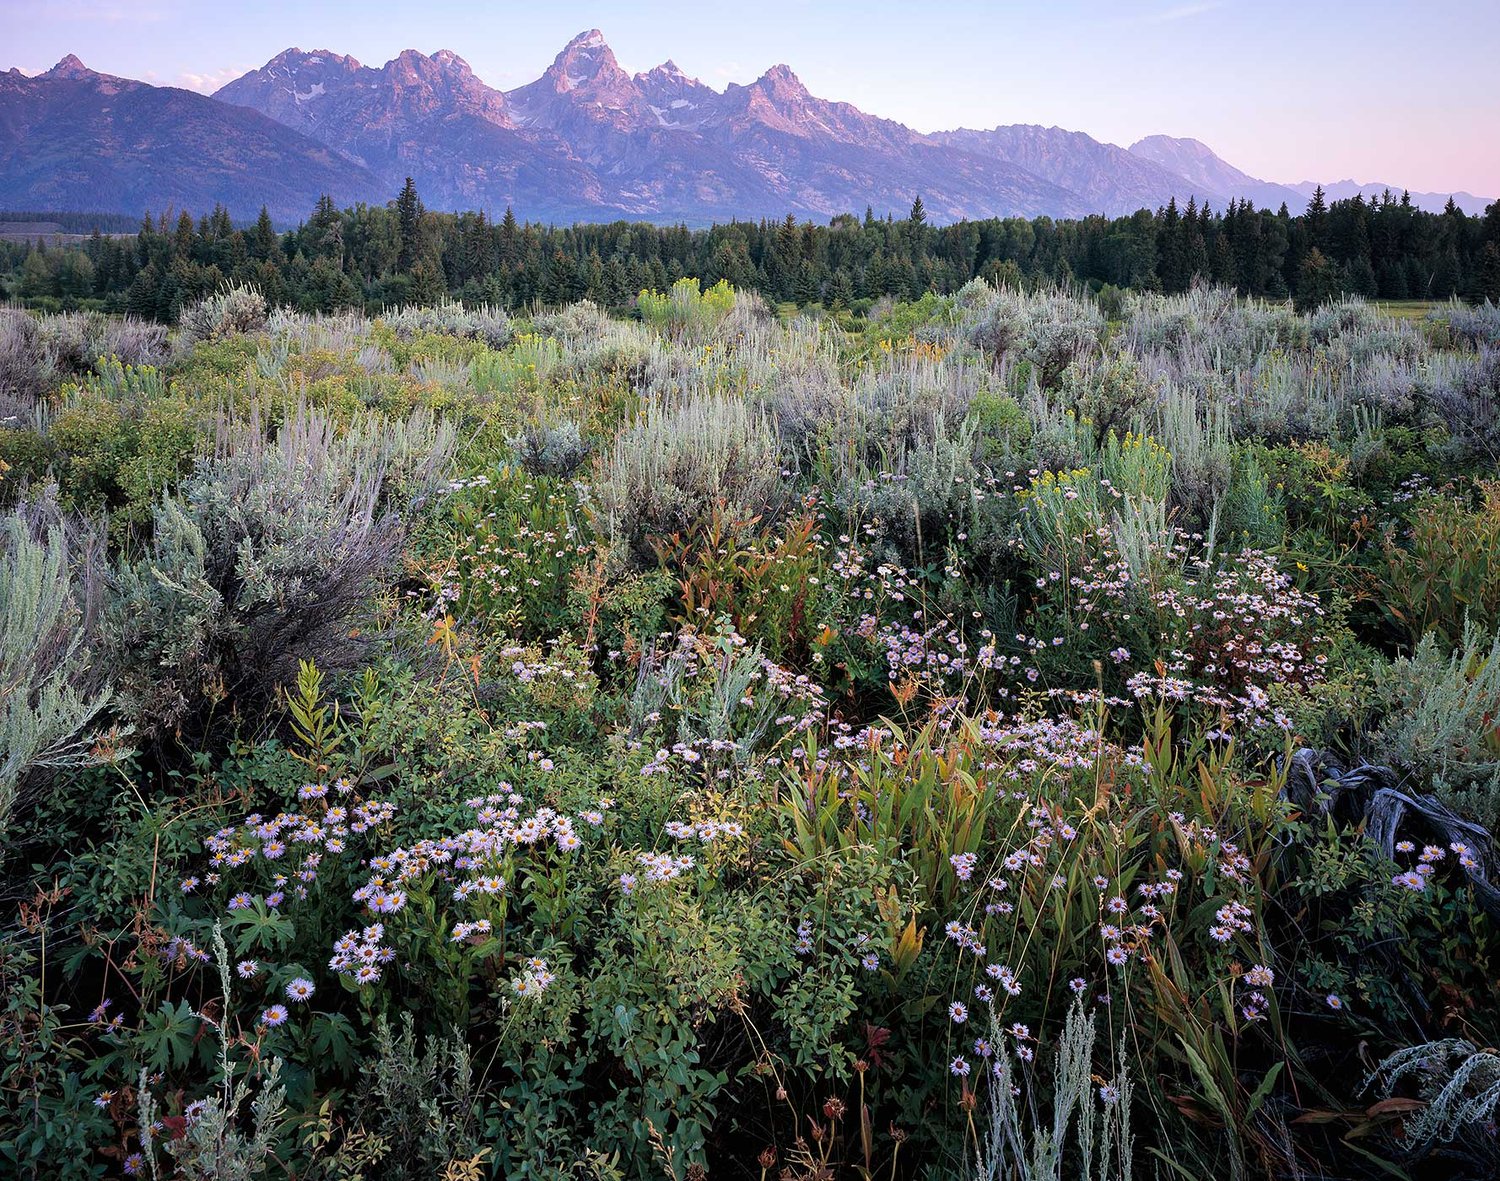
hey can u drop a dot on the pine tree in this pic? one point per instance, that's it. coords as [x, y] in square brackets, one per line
[1317, 281]
[264, 244]
[1487, 275]
[408, 227]
[1172, 255]
[1316, 218]
[510, 240]
[918, 214]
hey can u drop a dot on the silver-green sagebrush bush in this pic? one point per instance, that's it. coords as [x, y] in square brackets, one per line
[261, 558]
[677, 465]
[488, 324]
[1439, 726]
[234, 311]
[50, 697]
[1459, 1088]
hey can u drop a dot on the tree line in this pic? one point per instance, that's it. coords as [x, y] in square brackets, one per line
[374, 256]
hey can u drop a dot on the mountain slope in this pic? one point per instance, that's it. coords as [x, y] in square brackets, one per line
[1197, 163]
[75, 139]
[586, 141]
[425, 117]
[1109, 179]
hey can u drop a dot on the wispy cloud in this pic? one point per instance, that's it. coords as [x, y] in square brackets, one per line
[209, 82]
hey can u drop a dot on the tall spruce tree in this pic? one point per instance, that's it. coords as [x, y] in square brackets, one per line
[409, 227]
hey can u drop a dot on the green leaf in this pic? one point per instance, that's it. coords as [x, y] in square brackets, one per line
[1258, 1096]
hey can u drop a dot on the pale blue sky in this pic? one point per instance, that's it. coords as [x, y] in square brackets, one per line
[1380, 90]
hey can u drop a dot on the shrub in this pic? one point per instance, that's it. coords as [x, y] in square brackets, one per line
[687, 312]
[1049, 331]
[549, 449]
[523, 366]
[1475, 326]
[1107, 395]
[37, 353]
[671, 470]
[26, 371]
[910, 402]
[79, 341]
[1464, 392]
[120, 440]
[1438, 570]
[1440, 726]
[486, 323]
[256, 563]
[1458, 1085]
[1202, 458]
[237, 310]
[47, 700]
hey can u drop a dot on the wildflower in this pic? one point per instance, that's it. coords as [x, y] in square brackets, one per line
[1334, 1001]
[1117, 956]
[627, 883]
[189, 885]
[871, 961]
[247, 969]
[133, 1163]
[958, 1012]
[1108, 1095]
[387, 902]
[241, 901]
[103, 1099]
[959, 1066]
[1260, 976]
[299, 990]
[274, 1016]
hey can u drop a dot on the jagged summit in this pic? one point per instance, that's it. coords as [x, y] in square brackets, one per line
[70, 67]
[588, 141]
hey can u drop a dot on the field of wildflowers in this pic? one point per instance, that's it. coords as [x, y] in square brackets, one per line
[1002, 737]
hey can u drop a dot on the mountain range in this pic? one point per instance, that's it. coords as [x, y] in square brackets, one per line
[586, 141]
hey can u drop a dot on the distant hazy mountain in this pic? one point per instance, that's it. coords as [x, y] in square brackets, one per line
[72, 139]
[1342, 190]
[1195, 162]
[585, 141]
[1108, 178]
